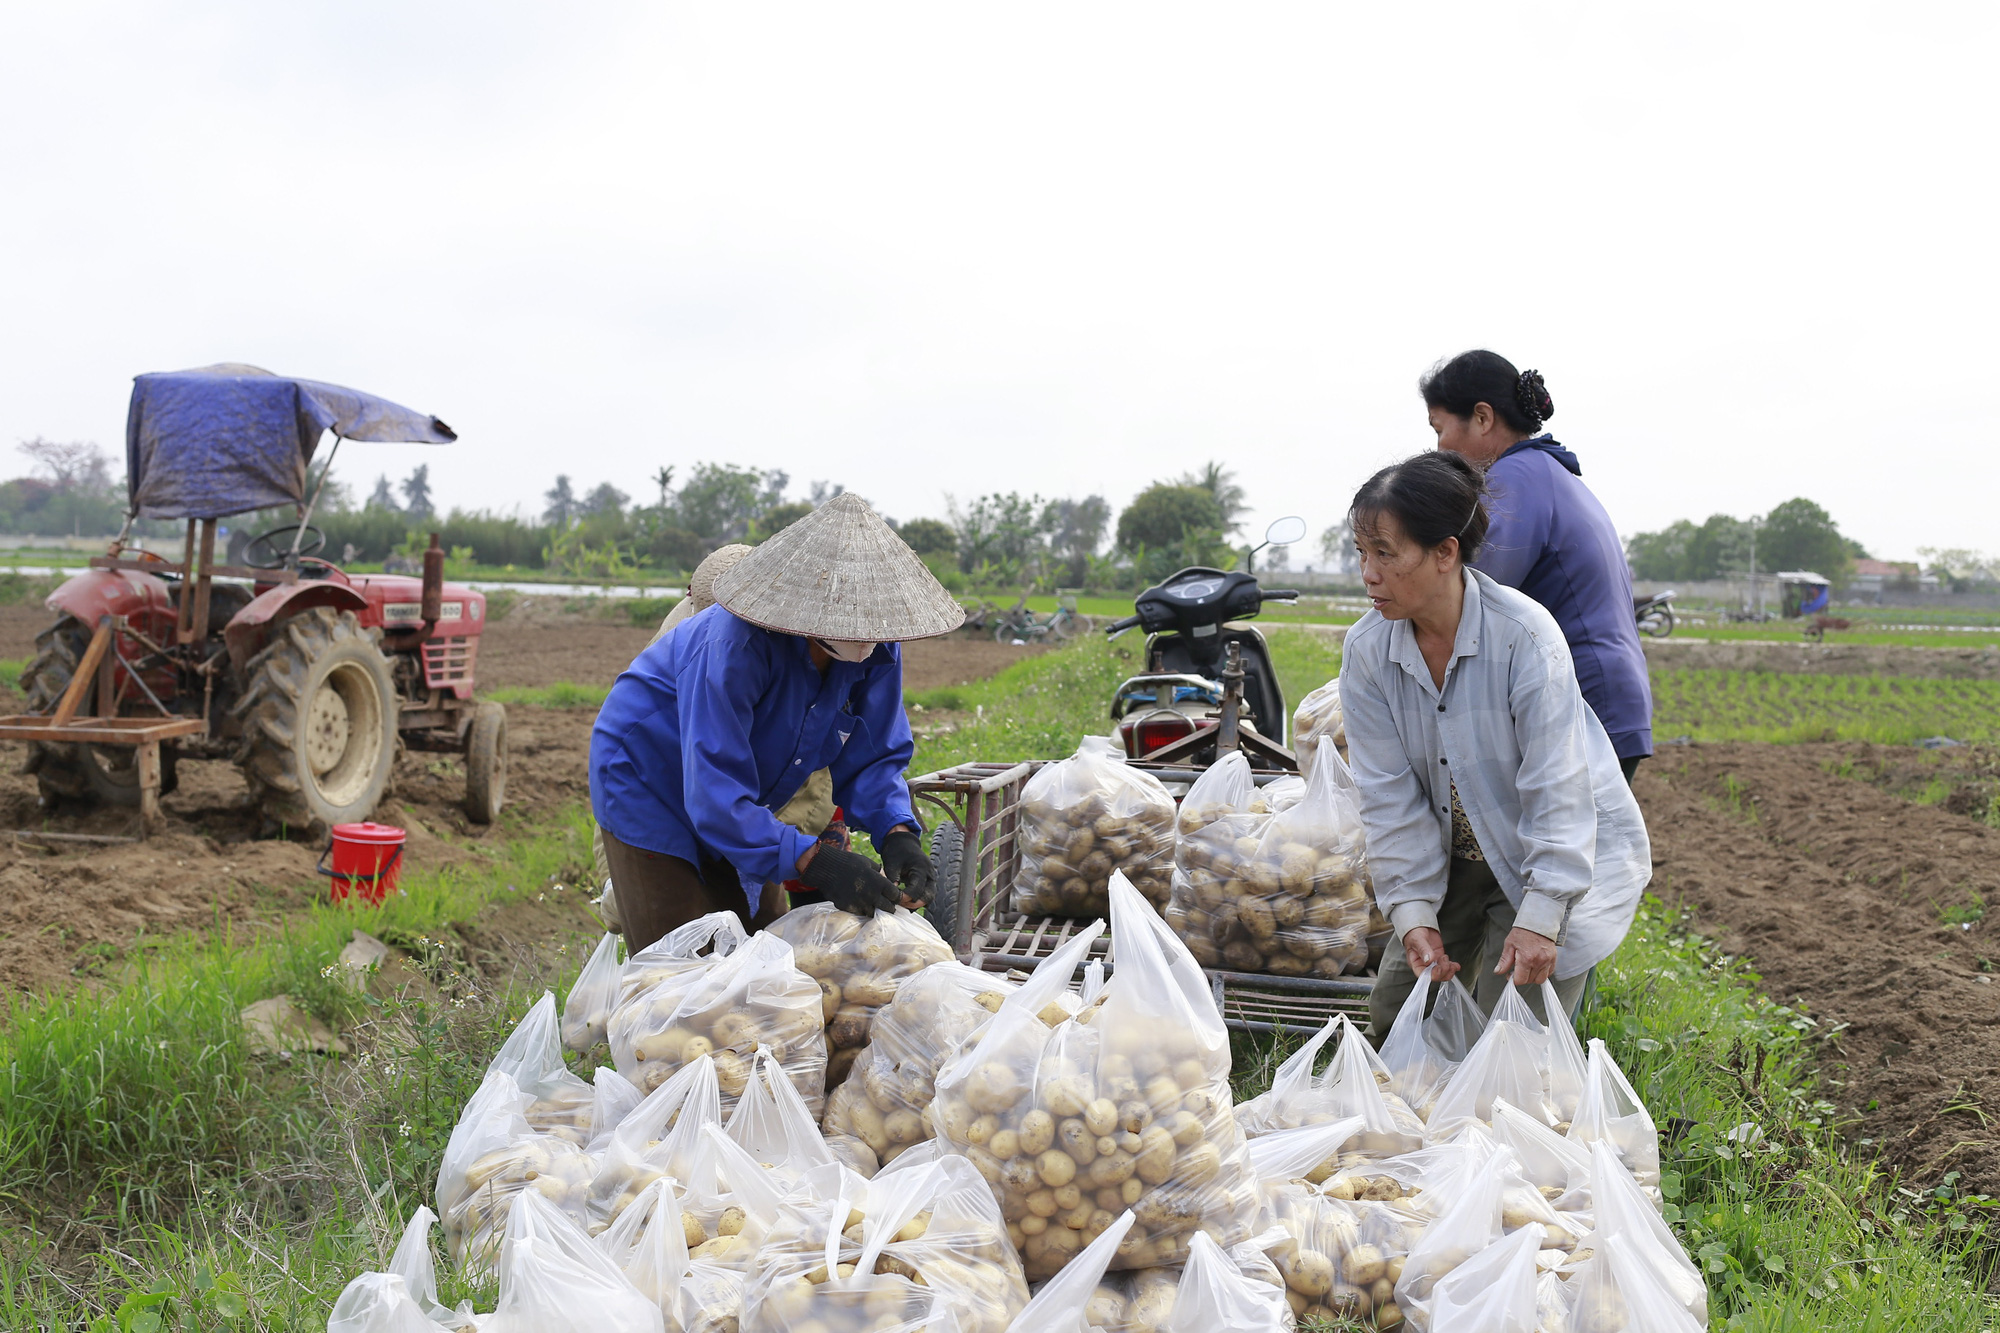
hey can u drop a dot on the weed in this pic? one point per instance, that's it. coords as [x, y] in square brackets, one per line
[1965, 913]
[562, 694]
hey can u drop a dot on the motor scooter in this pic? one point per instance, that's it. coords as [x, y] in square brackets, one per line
[1209, 684]
[1655, 614]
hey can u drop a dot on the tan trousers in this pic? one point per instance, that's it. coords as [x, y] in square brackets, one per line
[1474, 919]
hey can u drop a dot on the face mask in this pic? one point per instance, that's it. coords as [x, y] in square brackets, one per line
[846, 651]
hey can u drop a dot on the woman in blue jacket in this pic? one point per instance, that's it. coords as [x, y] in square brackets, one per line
[1550, 537]
[717, 725]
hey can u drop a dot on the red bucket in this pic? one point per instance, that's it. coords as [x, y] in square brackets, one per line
[366, 859]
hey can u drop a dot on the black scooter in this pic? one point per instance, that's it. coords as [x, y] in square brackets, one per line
[1209, 685]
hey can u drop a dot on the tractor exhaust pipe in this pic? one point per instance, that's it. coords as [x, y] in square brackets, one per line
[433, 595]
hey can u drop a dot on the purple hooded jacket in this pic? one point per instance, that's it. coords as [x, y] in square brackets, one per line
[1552, 539]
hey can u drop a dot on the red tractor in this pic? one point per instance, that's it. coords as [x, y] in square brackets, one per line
[306, 677]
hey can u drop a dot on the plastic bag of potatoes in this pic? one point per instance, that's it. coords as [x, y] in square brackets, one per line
[676, 1005]
[1318, 717]
[1617, 1291]
[1492, 1292]
[1083, 819]
[1421, 1051]
[1345, 1256]
[1538, 1069]
[880, 1253]
[1610, 1112]
[660, 1137]
[560, 1103]
[587, 1007]
[554, 1280]
[879, 1112]
[1145, 1300]
[403, 1297]
[1628, 1218]
[859, 964]
[494, 1156]
[647, 1244]
[1286, 895]
[1125, 1105]
[1355, 1083]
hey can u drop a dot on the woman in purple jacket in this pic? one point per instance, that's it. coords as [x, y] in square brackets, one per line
[1550, 537]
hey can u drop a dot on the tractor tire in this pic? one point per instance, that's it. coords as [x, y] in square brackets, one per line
[486, 763]
[79, 774]
[948, 863]
[319, 713]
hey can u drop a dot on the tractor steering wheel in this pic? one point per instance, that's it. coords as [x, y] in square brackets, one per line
[265, 551]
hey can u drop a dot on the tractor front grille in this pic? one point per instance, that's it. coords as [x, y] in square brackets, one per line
[448, 661]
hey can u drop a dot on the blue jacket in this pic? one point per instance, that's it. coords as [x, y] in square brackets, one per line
[1552, 539]
[719, 723]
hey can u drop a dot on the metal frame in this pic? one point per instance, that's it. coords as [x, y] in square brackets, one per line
[984, 799]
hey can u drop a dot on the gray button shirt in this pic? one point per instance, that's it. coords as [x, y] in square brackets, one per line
[1536, 774]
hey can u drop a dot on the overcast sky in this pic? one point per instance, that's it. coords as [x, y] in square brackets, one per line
[936, 249]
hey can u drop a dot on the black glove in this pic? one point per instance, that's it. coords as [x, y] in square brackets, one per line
[904, 862]
[849, 880]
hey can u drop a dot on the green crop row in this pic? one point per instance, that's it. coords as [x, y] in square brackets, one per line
[1707, 704]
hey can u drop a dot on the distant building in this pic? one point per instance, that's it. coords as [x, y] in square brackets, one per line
[1896, 575]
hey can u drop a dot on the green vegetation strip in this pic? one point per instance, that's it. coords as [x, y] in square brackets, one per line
[1706, 704]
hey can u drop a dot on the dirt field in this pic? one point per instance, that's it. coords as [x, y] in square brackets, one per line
[1865, 906]
[66, 914]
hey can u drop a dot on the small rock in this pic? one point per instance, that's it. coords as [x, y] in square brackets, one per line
[363, 954]
[278, 1026]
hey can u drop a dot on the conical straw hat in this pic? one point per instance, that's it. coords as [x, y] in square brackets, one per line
[839, 573]
[701, 583]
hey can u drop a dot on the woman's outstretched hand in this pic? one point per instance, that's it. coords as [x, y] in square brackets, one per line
[1530, 957]
[1424, 948]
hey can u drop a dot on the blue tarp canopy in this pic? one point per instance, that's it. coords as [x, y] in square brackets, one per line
[230, 438]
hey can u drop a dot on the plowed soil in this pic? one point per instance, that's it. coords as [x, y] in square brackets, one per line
[65, 913]
[1864, 906]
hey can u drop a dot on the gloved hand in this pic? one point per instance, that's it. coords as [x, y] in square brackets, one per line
[849, 880]
[904, 862]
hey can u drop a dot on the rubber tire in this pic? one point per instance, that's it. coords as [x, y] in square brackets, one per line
[305, 655]
[78, 773]
[486, 763]
[948, 864]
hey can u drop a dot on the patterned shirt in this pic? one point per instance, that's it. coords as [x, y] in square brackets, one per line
[1464, 842]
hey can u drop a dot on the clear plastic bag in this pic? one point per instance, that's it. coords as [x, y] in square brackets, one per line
[612, 1099]
[858, 965]
[772, 1124]
[731, 1202]
[661, 1137]
[879, 1113]
[1492, 1292]
[1084, 818]
[1125, 1106]
[493, 1158]
[1619, 1291]
[1292, 903]
[402, 1299]
[1467, 1226]
[1318, 717]
[1558, 1167]
[648, 1244]
[710, 1299]
[554, 1280]
[1356, 1083]
[560, 1102]
[1062, 1304]
[1509, 1061]
[1341, 1259]
[1611, 1112]
[1215, 1296]
[1310, 1153]
[673, 1009]
[1626, 1214]
[587, 1007]
[1421, 1052]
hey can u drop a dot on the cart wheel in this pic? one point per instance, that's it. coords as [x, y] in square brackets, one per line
[486, 763]
[948, 862]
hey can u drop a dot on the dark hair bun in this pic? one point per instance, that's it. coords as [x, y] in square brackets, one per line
[1532, 397]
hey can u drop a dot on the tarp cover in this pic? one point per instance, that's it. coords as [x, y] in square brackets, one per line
[230, 438]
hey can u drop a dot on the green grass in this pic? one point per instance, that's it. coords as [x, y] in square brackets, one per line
[562, 694]
[1707, 704]
[144, 1147]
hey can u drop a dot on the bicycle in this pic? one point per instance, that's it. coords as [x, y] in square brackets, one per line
[1020, 625]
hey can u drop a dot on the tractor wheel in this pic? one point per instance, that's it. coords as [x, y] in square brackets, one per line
[486, 763]
[85, 774]
[948, 864]
[319, 722]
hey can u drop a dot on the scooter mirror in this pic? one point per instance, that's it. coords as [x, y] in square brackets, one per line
[1285, 531]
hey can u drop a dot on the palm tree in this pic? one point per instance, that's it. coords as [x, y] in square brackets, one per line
[1221, 483]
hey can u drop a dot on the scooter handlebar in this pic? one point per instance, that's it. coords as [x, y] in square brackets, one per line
[1118, 627]
[1280, 595]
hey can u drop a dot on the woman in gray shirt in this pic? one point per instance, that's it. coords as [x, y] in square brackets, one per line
[1502, 837]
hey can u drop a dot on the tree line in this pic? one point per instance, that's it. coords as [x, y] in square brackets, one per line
[1797, 534]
